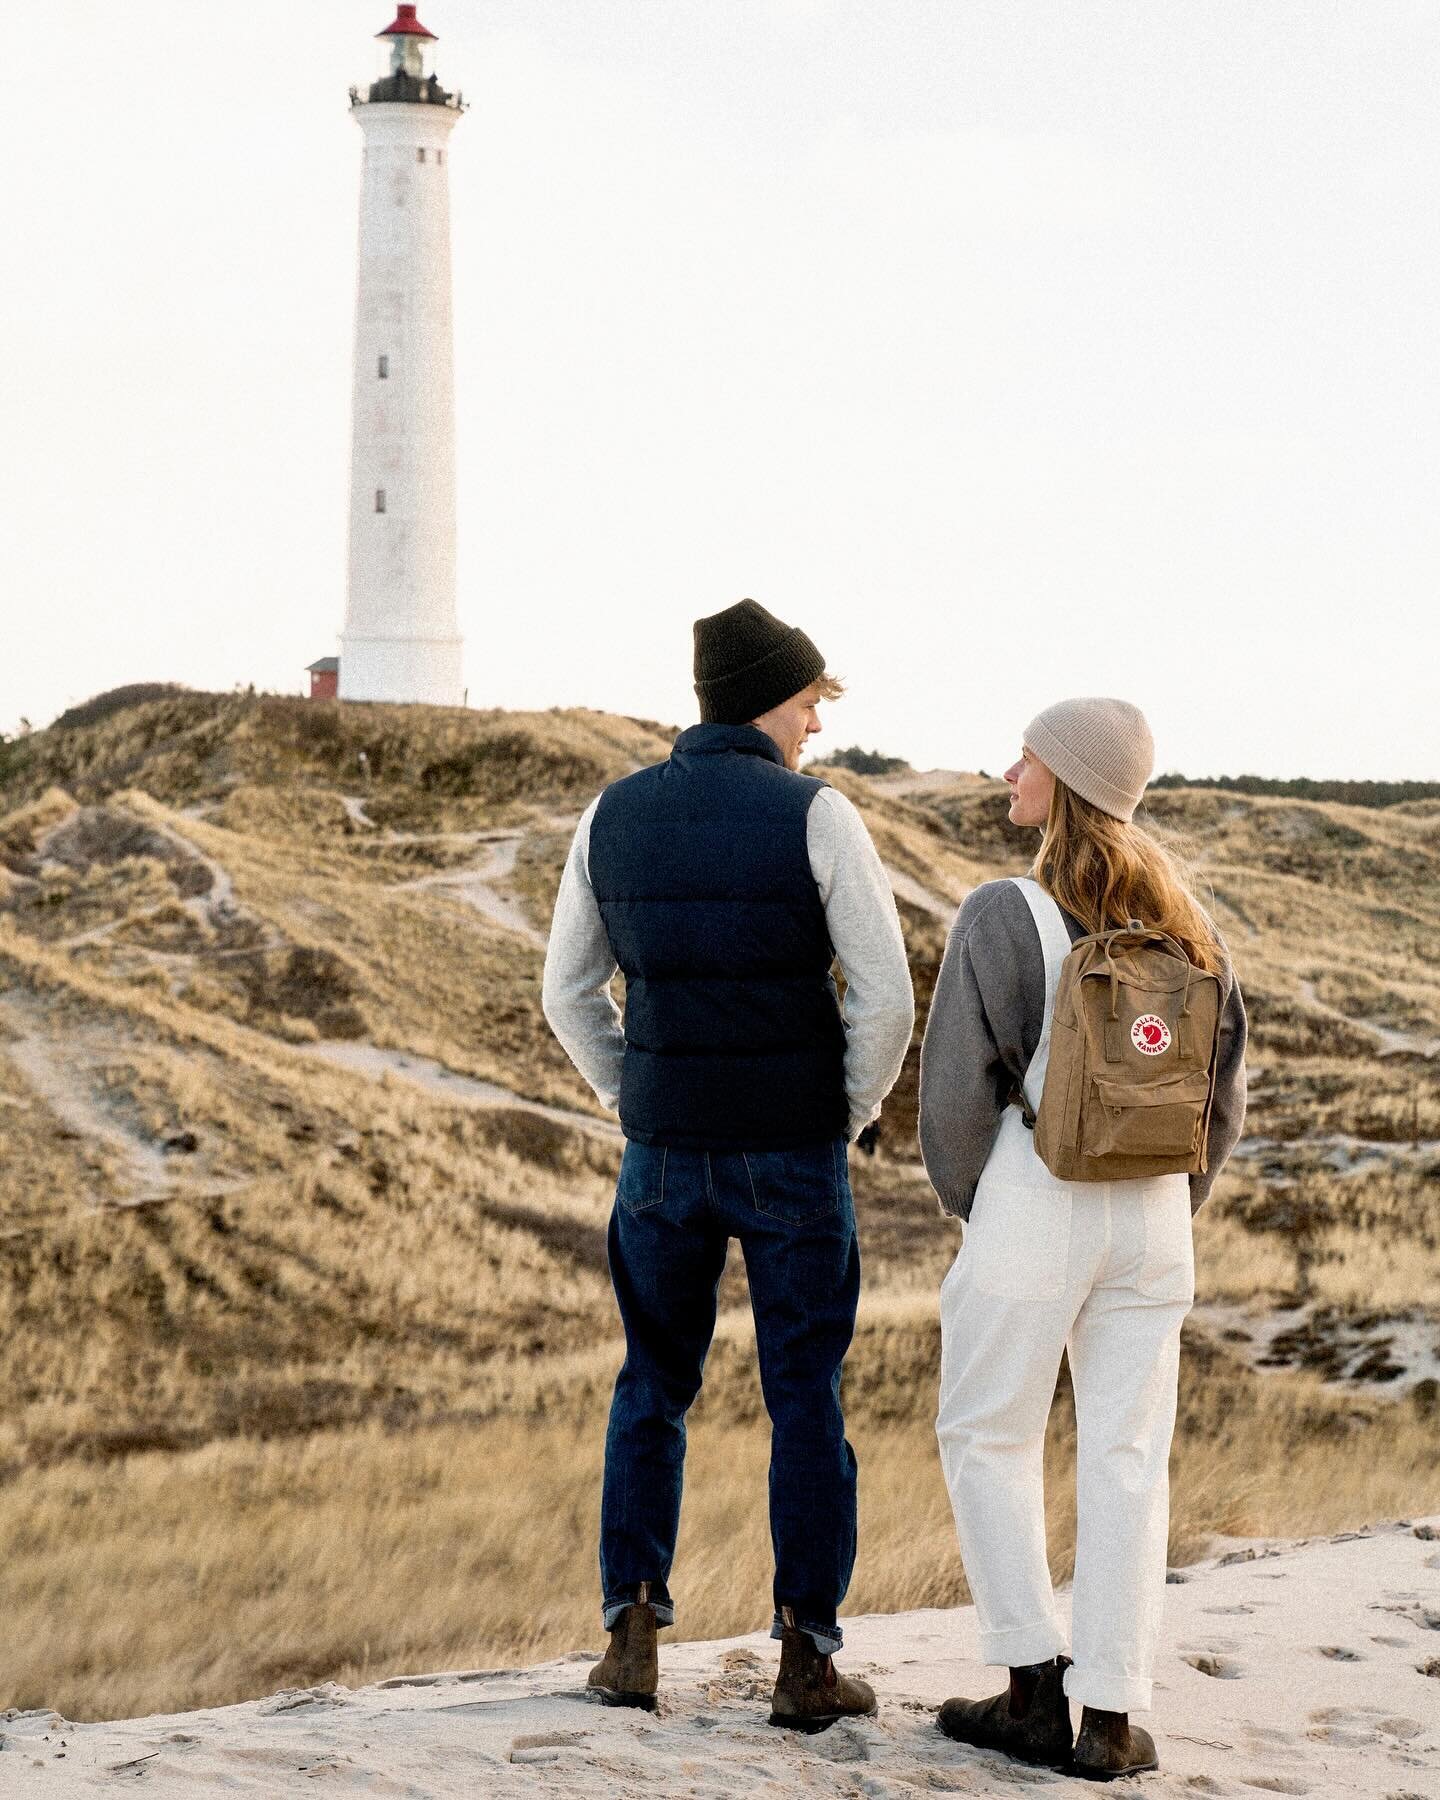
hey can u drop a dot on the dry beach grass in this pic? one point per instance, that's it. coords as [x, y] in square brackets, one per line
[307, 1362]
[246, 1565]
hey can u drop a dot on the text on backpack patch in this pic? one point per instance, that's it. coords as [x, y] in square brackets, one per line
[1150, 1034]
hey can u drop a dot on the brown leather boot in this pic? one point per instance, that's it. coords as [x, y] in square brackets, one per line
[1109, 1746]
[629, 1672]
[810, 1692]
[1030, 1722]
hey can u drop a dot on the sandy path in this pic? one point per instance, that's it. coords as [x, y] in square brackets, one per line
[477, 886]
[1287, 1669]
[926, 781]
[422, 1071]
[906, 887]
[216, 907]
[1391, 1041]
[64, 1075]
[59, 1080]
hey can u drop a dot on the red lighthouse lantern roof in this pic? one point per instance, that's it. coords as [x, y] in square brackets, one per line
[405, 25]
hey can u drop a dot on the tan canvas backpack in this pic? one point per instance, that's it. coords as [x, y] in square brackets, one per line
[1131, 1072]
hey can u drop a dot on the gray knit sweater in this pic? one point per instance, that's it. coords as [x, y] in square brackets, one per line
[984, 1027]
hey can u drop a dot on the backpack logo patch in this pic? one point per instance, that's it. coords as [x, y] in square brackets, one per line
[1150, 1035]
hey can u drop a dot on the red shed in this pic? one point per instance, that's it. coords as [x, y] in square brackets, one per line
[324, 678]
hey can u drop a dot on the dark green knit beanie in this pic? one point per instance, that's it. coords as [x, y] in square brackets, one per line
[747, 661]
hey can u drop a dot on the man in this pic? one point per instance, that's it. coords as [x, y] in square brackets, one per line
[724, 885]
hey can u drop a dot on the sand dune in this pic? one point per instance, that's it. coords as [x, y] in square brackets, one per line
[1304, 1668]
[302, 1236]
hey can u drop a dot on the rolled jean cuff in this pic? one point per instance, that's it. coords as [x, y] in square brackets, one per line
[1111, 1693]
[662, 1603]
[827, 1639]
[1022, 1645]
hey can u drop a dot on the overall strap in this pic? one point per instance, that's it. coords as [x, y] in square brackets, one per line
[1055, 946]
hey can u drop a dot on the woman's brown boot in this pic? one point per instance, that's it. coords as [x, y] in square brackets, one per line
[1030, 1722]
[629, 1672]
[1109, 1746]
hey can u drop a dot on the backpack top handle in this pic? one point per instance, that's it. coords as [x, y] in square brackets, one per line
[1135, 930]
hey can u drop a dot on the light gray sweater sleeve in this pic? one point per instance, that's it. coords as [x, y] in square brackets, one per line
[579, 965]
[865, 931]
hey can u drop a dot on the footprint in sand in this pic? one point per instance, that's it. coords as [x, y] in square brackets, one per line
[320, 1699]
[1240, 1607]
[1204, 1784]
[1392, 1643]
[1358, 1727]
[546, 1746]
[1414, 1612]
[1338, 1653]
[845, 1743]
[1268, 1737]
[1275, 1784]
[1210, 1662]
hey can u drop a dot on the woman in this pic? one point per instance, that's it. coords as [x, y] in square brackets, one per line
[1104, 1269]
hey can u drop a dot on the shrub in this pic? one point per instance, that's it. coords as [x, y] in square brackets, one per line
[1344, 793]
[509, 765]
[866, 762]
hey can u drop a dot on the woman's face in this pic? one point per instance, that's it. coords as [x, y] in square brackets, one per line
[1031, 785]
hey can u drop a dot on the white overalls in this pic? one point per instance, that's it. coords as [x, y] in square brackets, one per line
[1106, 1270]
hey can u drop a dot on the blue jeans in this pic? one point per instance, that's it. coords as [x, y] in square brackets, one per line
[675, 1213]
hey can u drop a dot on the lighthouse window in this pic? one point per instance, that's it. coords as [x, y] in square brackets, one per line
[379, 499]
[384, 368]
[420, 155]
[439, 156]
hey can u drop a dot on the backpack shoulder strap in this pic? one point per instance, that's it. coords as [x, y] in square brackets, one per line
[1055, 946]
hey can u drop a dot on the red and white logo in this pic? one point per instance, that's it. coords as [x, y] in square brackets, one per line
[1150, 1035]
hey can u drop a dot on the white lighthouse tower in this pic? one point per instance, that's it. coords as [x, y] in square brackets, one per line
[401, 640]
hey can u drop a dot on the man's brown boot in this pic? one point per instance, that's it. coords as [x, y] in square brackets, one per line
[1109, 1746]
[810, 1692]
[629, 1672]
[1030, 1722]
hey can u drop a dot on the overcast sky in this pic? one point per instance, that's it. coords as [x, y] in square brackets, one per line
[1015, 348]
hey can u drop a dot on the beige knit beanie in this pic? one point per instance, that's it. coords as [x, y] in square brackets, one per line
[1101, 748]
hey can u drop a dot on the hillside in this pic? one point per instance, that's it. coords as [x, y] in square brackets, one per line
[302, 1210]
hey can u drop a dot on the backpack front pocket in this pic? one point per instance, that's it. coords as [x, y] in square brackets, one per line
[1164, 1120]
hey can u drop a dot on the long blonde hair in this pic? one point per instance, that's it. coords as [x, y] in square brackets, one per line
[1107, 872]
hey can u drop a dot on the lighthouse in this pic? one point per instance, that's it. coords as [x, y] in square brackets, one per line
[401, 640]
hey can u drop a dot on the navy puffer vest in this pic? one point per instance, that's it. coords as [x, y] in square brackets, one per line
[733, 1034]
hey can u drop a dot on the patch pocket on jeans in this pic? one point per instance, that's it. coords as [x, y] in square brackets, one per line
[797, 1186]
[642, 1177]
[1018, 1241]
[1167, 1268]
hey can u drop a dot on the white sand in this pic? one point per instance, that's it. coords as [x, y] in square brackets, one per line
[1286, 1669]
